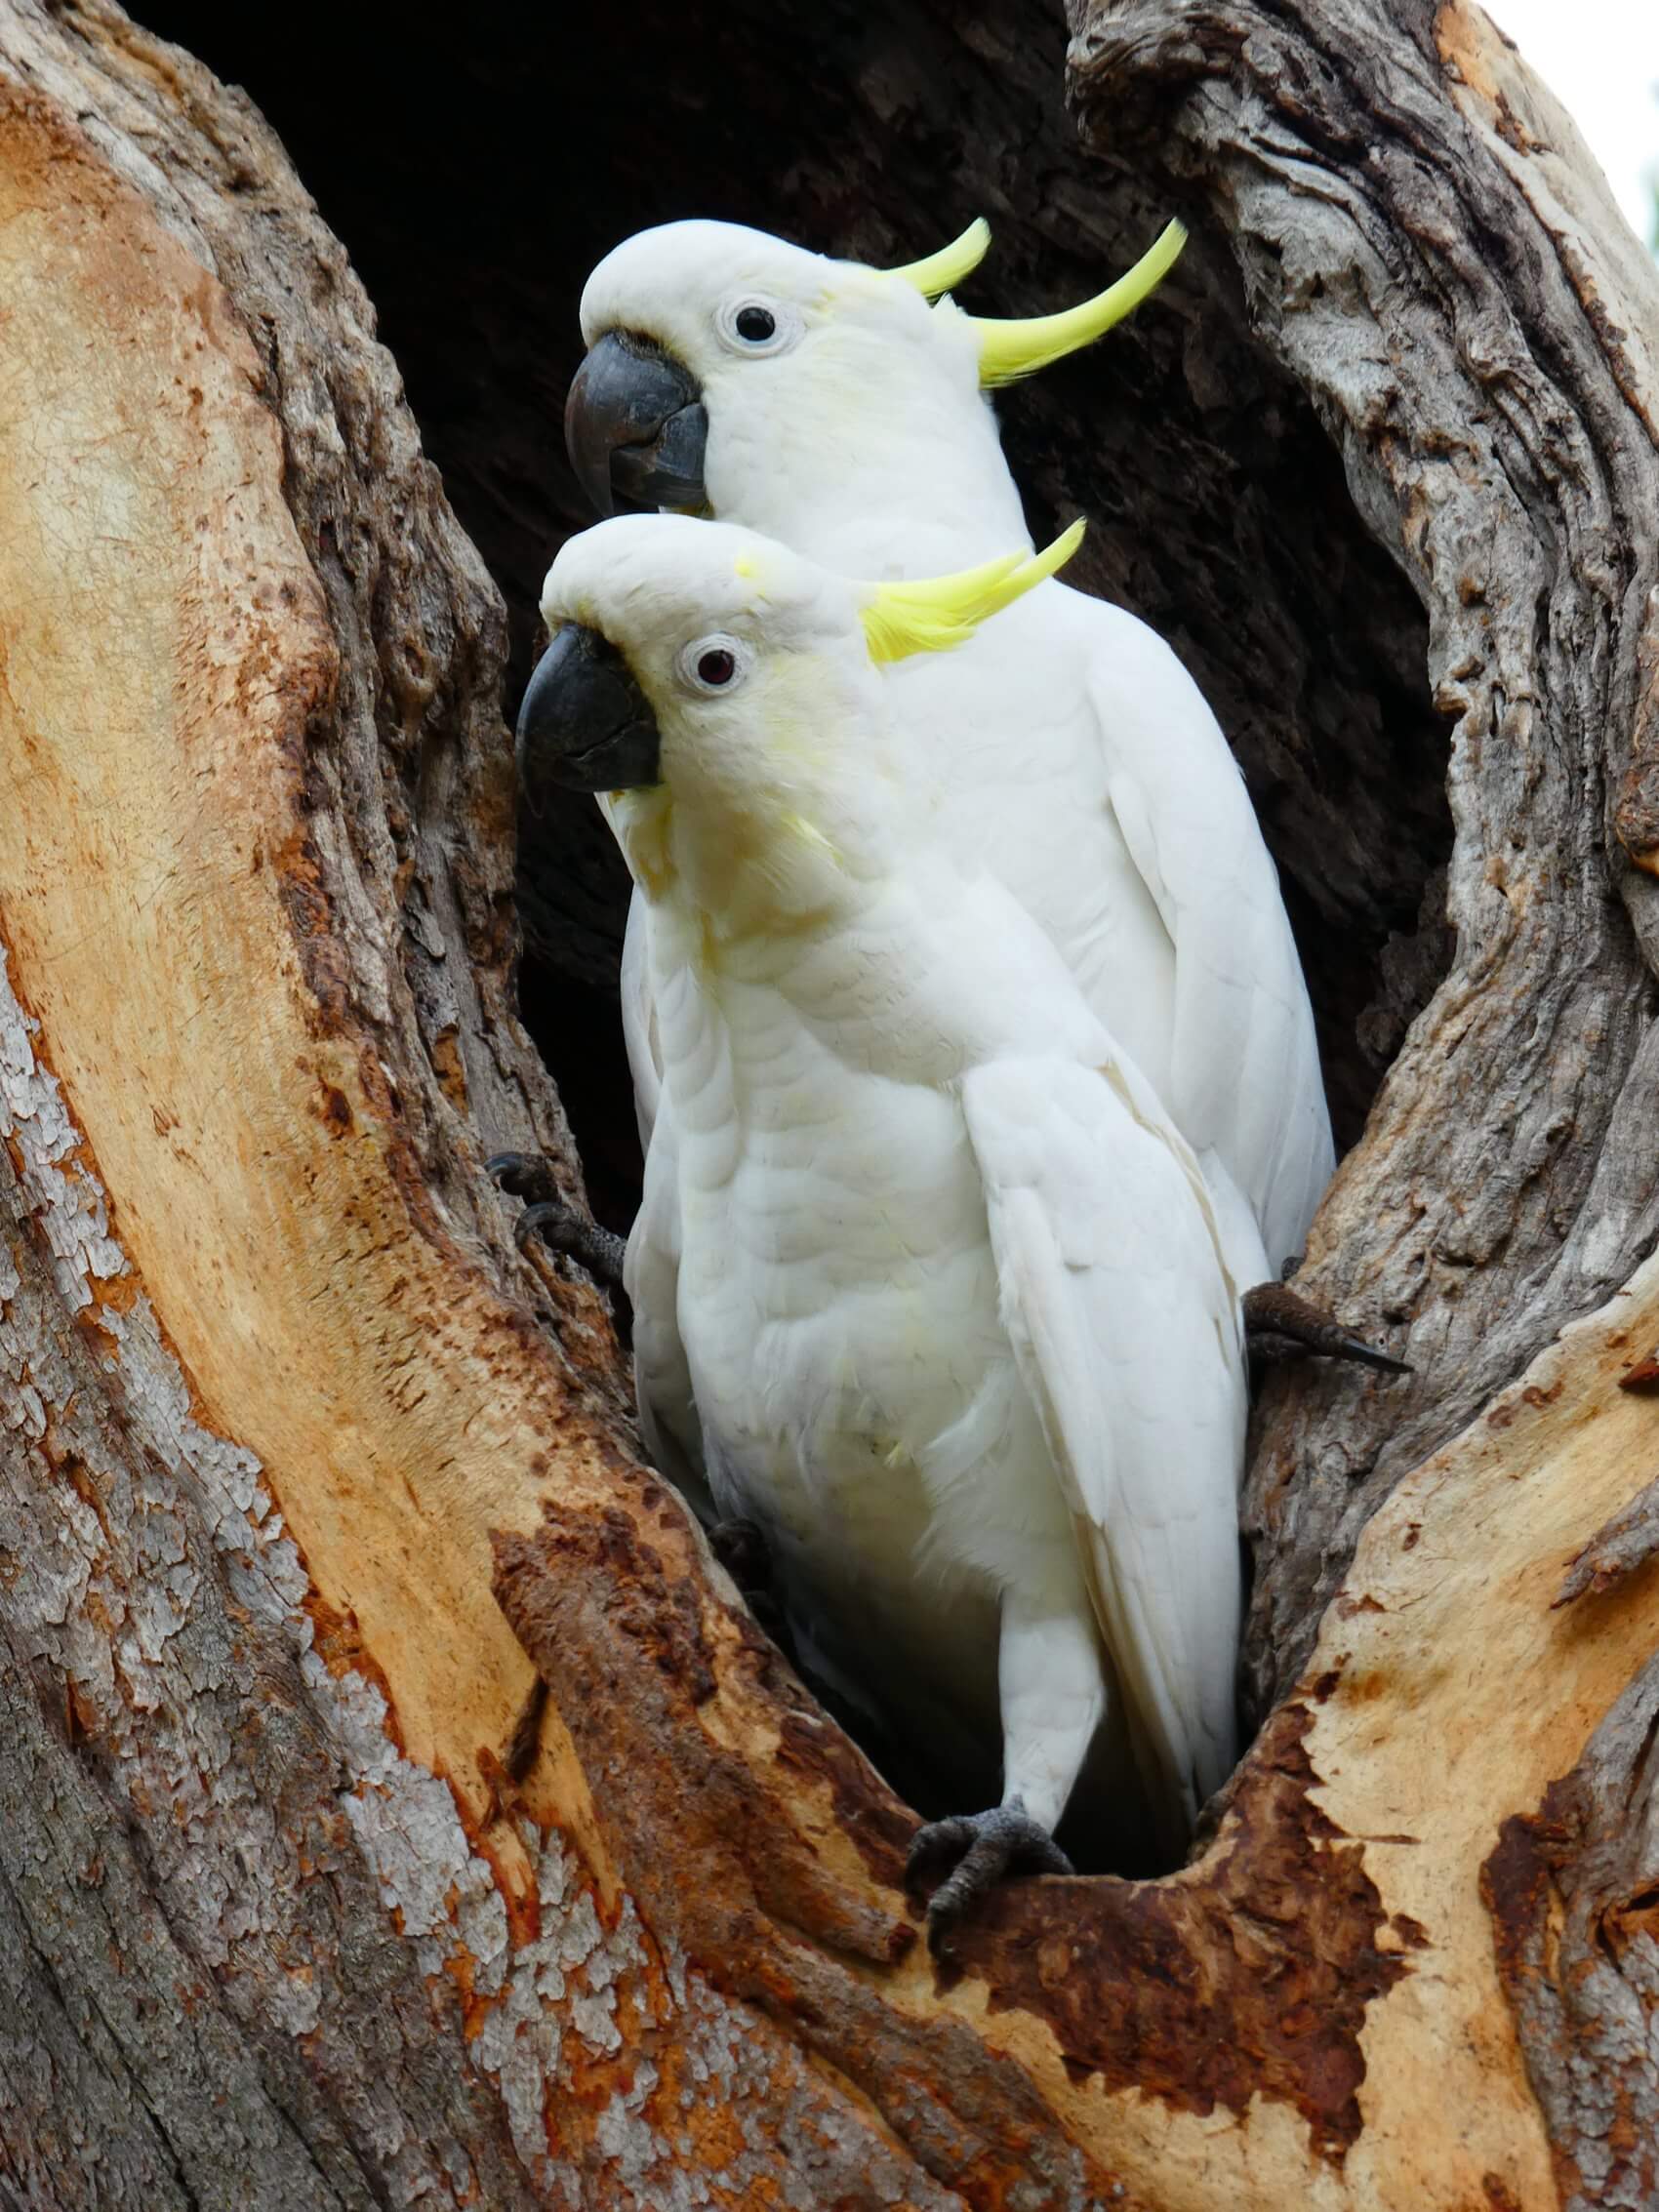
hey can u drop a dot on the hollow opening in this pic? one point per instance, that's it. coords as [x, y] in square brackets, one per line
[475, 181]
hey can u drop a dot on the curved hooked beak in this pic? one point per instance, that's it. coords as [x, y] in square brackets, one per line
[635, 427]
[585, 725]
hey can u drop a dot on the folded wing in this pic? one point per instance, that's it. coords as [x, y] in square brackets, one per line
[1244, 1068]
[1126, 1335]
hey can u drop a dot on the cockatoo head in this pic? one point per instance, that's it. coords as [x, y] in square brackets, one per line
[716, 665]
[731, 371]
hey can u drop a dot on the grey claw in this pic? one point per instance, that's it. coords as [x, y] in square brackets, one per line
[1271, 1310]
[563, 1229]
[522, 1174]
[986, 1846]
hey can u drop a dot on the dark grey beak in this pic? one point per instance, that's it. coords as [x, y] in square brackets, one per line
[635, 427]
[584, 725]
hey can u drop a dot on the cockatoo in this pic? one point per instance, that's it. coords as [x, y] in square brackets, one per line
[926, 1279]
[842, 410]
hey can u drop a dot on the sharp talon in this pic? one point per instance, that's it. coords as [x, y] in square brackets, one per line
[938, 1840]
[1367, 1356]
[522, 1174]
[987, 1847]
[1272, 1312]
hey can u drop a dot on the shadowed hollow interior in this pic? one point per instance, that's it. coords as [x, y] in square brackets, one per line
[475, 181]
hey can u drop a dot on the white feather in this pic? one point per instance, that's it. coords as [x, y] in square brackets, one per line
[922, 1258]
[1065, 747]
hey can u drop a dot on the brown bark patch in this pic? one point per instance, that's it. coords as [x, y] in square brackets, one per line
[1249, 1975]
[1573, 1895]
[1616, 1550]
[865, 1809]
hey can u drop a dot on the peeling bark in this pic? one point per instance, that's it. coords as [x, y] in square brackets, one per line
[306, 1476]
[1628, 1541]
[1573, 1890]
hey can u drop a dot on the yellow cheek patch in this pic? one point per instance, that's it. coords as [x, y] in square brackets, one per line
[809, 833]
[942, 271]
[932, 615]
[643, 820]
[1009, 350]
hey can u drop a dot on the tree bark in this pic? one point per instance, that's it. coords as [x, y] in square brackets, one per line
[305, 1478]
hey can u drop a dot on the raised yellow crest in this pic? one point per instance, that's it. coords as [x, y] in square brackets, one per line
[1009, 350]
[933, 613]
[942, 271]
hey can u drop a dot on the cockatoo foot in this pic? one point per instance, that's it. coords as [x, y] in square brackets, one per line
[1274, 1315]
[985, 1847]
[561, 1226]
[523, 1175]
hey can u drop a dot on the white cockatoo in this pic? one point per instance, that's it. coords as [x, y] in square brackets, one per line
[926, 1279]
[842, 410]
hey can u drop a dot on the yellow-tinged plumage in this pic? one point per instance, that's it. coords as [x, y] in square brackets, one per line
[933, 613]
[942, 272]
[1009, 350]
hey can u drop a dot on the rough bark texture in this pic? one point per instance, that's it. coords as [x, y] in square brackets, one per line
[1575, 1895]
[1428, 249]
[298, 1462]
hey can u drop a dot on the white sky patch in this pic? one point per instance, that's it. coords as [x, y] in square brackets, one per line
[1601, 58]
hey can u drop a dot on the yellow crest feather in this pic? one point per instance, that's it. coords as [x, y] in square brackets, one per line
[942, 271]
[933, 613]
[1009, 350]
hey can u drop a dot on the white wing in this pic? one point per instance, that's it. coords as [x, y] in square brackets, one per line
[1126, 1334]
[662, 1375]
[1244, 1078]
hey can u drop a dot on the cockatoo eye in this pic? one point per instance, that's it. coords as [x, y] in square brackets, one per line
[747, 325]
[715, 664]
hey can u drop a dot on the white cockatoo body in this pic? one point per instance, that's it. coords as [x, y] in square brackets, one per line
[930, 1282]
[1065, 747]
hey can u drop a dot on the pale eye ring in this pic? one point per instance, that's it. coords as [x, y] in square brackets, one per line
[715, 664]
[751, 325]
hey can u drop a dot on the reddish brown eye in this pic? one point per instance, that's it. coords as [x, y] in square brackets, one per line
[716, 667]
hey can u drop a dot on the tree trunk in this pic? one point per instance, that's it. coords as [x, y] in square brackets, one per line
[305, 1478]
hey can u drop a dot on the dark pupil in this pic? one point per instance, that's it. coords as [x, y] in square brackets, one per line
[718, 667]
[755, 324]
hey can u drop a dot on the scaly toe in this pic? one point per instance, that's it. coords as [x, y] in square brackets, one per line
[988, 1846]
[563, 1227]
